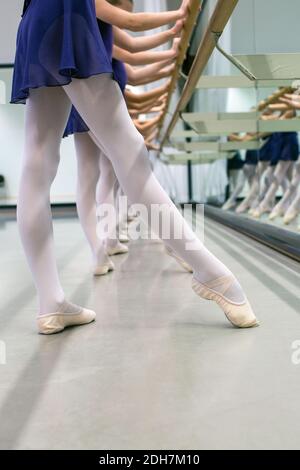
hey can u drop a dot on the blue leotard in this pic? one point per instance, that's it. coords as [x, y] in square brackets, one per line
[57, 40]
[120, 73]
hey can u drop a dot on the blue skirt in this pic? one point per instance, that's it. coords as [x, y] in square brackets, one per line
[120, 73]
[235, 163]
[57, 40]
[289, 151]
[252, 157]
[75, 123]
[271, 150]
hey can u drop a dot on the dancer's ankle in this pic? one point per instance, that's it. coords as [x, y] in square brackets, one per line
[100, 255]
[235, 293]
[53, 305]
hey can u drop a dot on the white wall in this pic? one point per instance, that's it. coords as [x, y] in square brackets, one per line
[266, 26]
[10, 13]
[11, 149]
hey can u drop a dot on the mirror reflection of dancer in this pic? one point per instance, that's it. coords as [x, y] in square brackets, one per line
[289, 206]
[253, 178]
[272, 163]
[284, 153]
[61, 60]
[240, 172]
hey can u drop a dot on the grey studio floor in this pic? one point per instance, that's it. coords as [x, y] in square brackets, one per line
[160, 369]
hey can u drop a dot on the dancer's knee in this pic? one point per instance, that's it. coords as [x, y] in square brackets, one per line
[40, 164]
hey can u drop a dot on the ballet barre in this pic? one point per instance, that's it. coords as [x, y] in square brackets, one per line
[208, 82]
[195, 117]
[184, 134]
[219, 146]
[194, 8]
[195, 158]
[271, 66]
[219, 19]
[203, 123]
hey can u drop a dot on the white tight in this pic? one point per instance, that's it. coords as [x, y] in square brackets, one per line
[47, 111]
[291, 197]
[256, 172]
[88, 165]
[291, 191]
[101, 104]
[247, 174]
[96, 186]
[279, 175]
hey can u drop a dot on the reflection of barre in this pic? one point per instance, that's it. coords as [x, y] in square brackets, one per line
[2, 353]
[2, 92]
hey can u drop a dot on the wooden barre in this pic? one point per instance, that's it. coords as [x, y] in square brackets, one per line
[274, 98]
[217, 23]
[194, 8]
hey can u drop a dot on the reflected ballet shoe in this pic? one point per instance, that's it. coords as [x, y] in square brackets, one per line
[261, 210]
[242, 208]
[118, 249]
[290, 217]
[56, 322]
[251, 211]
[276, 212]
[103, 269]
[274, 215]
[240, 315]
[228, 205]
[179, 260]
[256, 214]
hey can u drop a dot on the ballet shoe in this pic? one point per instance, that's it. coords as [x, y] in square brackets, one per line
[179, 260]
[240, 315]
[118, 249]
[228, 205]
[241, 208]
[278, 211]
[290, 217]
[53, 323]
[256, 214]
[103, 269]
[123, 237]
[251, 211]
[274, 215]
[259, 211]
